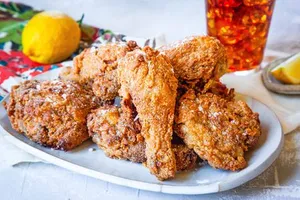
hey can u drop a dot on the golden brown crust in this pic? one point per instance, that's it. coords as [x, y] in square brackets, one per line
[220, 130]
[105, 58]
[197, 58]
[66, 73]
[186, 158]
[117, 132]
[93, 66]
[106, 85]
[212, 86]
[147, 77]
[51, 113]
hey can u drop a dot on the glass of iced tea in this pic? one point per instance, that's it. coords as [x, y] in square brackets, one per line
[242, 26]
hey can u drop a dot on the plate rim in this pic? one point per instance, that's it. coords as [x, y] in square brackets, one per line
[154, 187]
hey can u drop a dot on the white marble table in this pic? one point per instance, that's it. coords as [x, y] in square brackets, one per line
[176, 19]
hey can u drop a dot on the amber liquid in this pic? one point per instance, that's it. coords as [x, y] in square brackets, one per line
[242, 26]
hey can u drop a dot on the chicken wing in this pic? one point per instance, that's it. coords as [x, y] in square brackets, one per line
[96, 67]
[147, 78]
[197, 58]
[51, 113]
[219, 129]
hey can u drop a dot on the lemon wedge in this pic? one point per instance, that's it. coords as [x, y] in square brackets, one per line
[289, 71]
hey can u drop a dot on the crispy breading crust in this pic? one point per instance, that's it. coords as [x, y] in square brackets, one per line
[186, 158]
[117, 132]
[212, 86]
[105, 58]
[197, 58]
[220, 130]
[96, 67]
[106, 85]
[51, 113]
[147, 77]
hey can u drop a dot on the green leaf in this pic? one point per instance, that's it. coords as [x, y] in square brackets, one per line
[11, 25]
[17, 10]
[10, 8]
[13, 29]
[28, 14]
[80, 21]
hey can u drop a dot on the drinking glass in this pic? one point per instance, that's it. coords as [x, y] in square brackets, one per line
[242, 26]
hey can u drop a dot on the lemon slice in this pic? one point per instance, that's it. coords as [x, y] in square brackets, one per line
[289, 71]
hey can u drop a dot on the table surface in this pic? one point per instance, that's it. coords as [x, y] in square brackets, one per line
[175, 19]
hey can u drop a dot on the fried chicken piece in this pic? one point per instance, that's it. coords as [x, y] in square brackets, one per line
[66, 73]
[117, 131]
[219, 130]
[186, 158]
[89, 63]
[95, 67]
[217, 88]
[147, 77]
[51, 113]
[197, 58]
[212, 86]
[106, 85]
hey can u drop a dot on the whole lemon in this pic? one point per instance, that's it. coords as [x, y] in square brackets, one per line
[50, 37]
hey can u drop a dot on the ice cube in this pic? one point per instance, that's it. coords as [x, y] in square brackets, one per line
[229, 3]
[258, 42]
[243, 16]
[230, 33]
[257, 2]
[228, 39]
[224, 13]
[210, 14]
[252, 30]
[262, 29]
[246, 20]
[211, 23]
[253, 43]
[258, 16]
[226, 32]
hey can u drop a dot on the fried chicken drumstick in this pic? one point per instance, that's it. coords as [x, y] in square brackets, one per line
[51, 113]
[147, 78]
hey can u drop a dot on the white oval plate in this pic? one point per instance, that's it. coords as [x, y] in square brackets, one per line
[203, 180]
